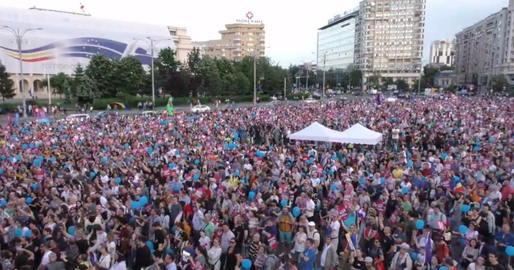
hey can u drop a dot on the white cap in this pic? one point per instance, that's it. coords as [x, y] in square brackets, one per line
[312, 224]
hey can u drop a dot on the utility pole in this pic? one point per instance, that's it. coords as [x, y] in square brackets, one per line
[324, 62]
[18, 35]
[285, 82]
[254, 81]
[307, 78]
[49, 90]
[152, 43]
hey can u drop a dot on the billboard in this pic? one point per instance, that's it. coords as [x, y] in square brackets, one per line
[68, 39]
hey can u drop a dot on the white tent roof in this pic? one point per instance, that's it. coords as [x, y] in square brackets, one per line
[317, 132]
[358, 134]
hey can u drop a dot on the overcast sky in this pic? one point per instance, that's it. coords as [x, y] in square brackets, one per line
[291, 26]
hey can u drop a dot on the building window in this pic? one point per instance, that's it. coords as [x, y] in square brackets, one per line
[173, 33]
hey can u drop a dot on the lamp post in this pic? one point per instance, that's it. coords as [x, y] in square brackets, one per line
[18, 35]
[152, 43]
[255, 77]
[324, 61]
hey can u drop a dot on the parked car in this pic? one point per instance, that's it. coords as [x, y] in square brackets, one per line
[78, 117]
[200, 108]
[148, 113]
[310, 100]
[107, 113]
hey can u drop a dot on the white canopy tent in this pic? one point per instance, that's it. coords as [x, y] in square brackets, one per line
[359, 134]
[317, 132]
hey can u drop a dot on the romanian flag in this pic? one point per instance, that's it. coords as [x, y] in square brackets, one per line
[459, 188]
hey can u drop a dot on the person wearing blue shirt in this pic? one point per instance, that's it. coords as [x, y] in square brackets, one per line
[308, 256]
[503, 239]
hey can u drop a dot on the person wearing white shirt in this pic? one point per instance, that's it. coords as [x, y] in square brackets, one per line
[309, 208]
[198, 218]
[170, 264]
[105, 258]
[335, 225]
[46, 255]
[120, 265]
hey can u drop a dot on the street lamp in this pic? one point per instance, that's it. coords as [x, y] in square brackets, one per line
[152, 43]
[324, 60]
[18, 35]
[255, 77]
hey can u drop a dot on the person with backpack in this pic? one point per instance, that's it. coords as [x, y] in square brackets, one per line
[285, 228]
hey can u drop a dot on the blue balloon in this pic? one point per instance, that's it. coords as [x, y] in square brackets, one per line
[2, 157]
[405, 190]
[284, 203]
[463, 229]
[150, 245]
[171, 165]
[28, 234]
[443, 268]
[465, 208]
[3, 203]
[28, 200]
[246, 264]
[53, 159]
[177, 187]
[31, 146]
[510, 251]
[251, 195]
[296, 211]
[92, 174]
[34, 186]
[196, 177]
[382, 180]
[24, 146]
[135, 205]
[18, 232]
[420, 224]
[236, 173]
[1, 171]
[118, 180]
[308, 162]
[334, 186]
[71, 230]
[143, 200]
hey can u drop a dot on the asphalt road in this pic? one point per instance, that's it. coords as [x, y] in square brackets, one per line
[3, 118]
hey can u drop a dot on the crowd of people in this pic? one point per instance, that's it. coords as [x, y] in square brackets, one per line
[228, 190]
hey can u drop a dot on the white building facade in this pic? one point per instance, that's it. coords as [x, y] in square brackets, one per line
[441, 53]
[389, 39]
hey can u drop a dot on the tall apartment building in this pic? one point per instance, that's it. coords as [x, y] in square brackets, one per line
[244, 38]
[486, 49]
[389, 38]
[336, 42]
[441, 53]
[182, 42]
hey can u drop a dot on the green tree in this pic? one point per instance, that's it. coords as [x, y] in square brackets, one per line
[87, 87]
[77, 78]
[499, 83]
[211, 82]
[194, 63]
[243, 85]
[59, 83]
[421, 87]
[102, 70]
[166, 66]
[130, 76]
[356, 78]
[374, 81]
[402, 85]
[387, 81]
[6, 84]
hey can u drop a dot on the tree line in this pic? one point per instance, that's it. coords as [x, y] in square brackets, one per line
[195, 77]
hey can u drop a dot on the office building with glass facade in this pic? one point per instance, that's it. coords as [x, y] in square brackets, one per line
[336, 42]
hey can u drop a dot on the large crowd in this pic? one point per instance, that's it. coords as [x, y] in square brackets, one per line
[228, 190]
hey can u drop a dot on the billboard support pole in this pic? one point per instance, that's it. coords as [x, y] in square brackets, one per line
[49, 90]
[18, 35]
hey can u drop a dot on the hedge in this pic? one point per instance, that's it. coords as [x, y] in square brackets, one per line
[101, 104]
